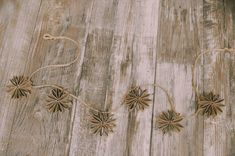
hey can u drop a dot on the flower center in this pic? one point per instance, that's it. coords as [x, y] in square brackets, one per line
[170, 122]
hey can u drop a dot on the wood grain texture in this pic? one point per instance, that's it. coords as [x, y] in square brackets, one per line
[179, 41]
[123, 43]
[215, 75]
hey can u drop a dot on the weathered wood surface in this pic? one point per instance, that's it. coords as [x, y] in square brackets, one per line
[122, 43]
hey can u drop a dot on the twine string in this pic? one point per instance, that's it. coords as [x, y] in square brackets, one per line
[169, 98]
[50, 37]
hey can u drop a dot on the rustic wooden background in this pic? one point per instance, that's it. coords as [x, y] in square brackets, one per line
[122, 43]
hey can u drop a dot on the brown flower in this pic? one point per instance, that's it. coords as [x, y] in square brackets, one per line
[210, 104]
[58, 100]
[102, 123]
[169, 121]
[137, 99]
[20, 86]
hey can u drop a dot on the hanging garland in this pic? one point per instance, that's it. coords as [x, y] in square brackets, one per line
[136, 99]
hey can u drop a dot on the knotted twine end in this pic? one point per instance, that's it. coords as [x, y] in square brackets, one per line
[48, 37]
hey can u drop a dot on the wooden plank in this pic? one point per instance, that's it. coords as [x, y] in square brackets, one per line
[218, 140]
[120, 52]
[217, 77]
[27, 127]
[18, 22]
[179, 41]
[230, 77]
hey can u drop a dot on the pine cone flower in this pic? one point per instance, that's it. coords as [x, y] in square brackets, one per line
[20, 87]
[58, 101]
[137, 99]
[102, 123]
[210, 104]
[169, 121]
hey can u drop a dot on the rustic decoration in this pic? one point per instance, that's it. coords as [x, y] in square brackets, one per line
[102, 123]
[58, 100]
[20, 87]
[210, 104]
[169, 121]
[137, 99]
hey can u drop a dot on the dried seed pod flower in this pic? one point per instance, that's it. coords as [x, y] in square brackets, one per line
[102, 123]
[20, 86]
[210, 104]
[169, 121]
[58, 100]
[137, 99]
